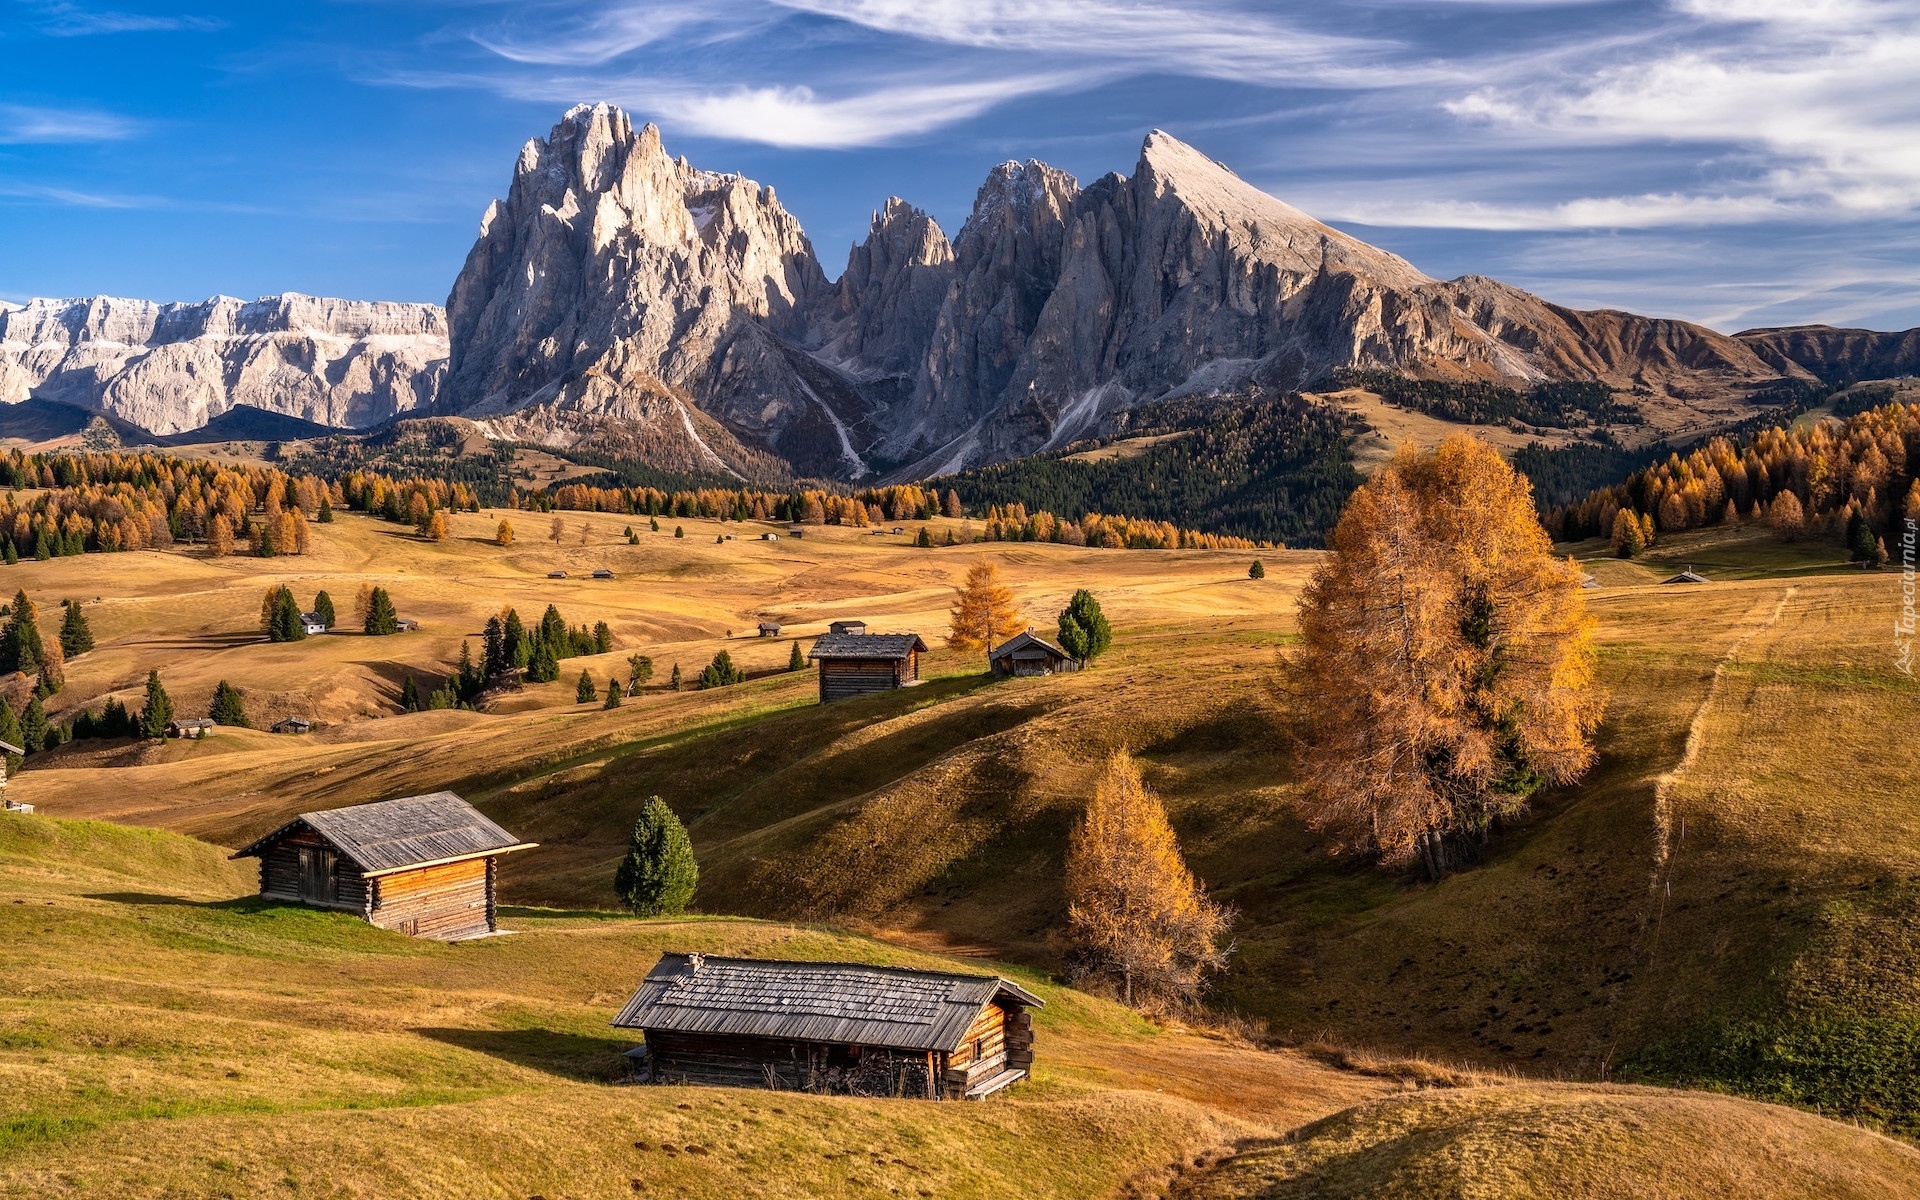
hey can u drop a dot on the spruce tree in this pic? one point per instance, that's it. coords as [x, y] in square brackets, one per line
[33, 727]
[323, 608]
[158, 713]
[544, 666]
[286, 623]
[381, 618]
[76, 637]
[658, 875]
[227, 708]
[409, 696]
[1084, 631]
[1257, 571]
[20, 645]
[602, 638]
[553, 631]
[674, 680]
[796, 661]
[721, 672]
[584, 692]
[10, 733]
[326, 511]
[13, 555]
[613, 692]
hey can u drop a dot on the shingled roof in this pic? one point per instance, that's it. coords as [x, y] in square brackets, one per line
[840, 1003]
[893, 646]
[392, 835]
[1025, 646]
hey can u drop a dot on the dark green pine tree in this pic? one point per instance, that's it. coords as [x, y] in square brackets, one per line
[1257, 571]
[325, 516]
[10, 733]
[381, 618]
[468, 681]
[1084, 631]
[20, 645]
[409, 696]
[658, 876]
[76, 638]
[613, 692]
[721, 672]
[796, 661]
[158, 713]
[13, 555]
[285, 624]
[493, 647]
[602, 638]
[673, 681]
[553, 631]
[584, 691]
[323, 608]
[227, 708]
[33, 727]
[518, 646]
[544, 666]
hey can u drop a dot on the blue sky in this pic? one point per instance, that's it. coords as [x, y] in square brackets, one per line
[1735, 162]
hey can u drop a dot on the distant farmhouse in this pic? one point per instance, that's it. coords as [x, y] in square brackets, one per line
[421, 865]
[854, 662]
[292, 725]
[191, 728]
[12, 806]
[312, 623]
[1025, 654]
[769, 629]
[830, 1027]
[1686, 576]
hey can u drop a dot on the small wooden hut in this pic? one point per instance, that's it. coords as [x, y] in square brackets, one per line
[422, 865]
[1686, 576]
[191, 728]
[831, 1027]
[769, 629]
[854, 662]
[292, 725]
[1025, 654]
[312, 623]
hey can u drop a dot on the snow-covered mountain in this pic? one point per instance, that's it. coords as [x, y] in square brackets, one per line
[174, 367]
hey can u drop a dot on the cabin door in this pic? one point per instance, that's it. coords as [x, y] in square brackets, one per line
[317, 880]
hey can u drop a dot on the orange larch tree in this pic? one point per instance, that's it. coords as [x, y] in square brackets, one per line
[1446, 670]
[983, 610]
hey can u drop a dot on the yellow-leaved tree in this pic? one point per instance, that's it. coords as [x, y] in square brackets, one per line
[1135, 912]
[984, 610]
[1446, 668]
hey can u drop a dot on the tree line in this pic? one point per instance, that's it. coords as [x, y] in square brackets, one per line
[1855, 480]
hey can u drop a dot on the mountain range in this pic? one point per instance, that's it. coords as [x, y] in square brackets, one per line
[621, 299]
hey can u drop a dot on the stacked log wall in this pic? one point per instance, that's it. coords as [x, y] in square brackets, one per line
[453, 900]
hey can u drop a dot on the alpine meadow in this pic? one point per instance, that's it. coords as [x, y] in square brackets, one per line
[1123, 689]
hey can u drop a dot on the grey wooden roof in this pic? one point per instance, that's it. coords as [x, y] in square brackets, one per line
[395, 834]
[1024, 645]
[892, 646]
[1686, 576]
[840, 1003]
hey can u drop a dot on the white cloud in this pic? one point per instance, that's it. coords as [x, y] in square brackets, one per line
[60, 19]
[796, 116]
[22, 124]
[1820, 92]
[1649, 211]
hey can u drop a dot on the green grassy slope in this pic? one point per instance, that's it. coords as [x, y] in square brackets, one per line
[161, 1037]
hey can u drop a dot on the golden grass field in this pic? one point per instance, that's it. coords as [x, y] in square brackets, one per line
[1745, 850]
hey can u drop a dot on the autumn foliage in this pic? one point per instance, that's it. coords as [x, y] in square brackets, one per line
[1447, 668]
[983, 610]
[1135, 912]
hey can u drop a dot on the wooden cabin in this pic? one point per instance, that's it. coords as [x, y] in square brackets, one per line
[1686, 576]
[192, 728]
[421, 865]
[1025, 654]
[830, 1027]
[769, 629]
[292, 725]
[602, 573]
[854, 662]
[312, 623]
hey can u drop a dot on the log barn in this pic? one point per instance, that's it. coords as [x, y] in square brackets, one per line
[1025, 654]
[854, 662]
[426, 866]
[839, 1028]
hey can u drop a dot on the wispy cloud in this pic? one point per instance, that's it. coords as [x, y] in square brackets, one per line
[22, 124]
[59, 19]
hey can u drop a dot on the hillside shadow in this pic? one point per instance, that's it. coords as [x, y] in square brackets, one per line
[239, 904]
[583, 1058]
